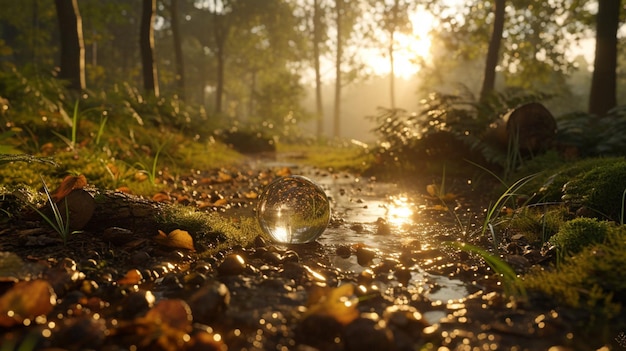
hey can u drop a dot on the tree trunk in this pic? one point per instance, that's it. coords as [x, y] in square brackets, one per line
[146, 43]
[603, 95]
[392, 74]
[391, 48]
[493, 52]
[72, 46]
[338, 58]
[178, 50]
[220, 34]
[317, 39]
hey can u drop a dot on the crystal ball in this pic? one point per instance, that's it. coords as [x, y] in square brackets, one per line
[293, 210]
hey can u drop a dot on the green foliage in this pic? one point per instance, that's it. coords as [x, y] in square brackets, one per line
[57, 222]
[592, 135]
[599, 190]
[447, 127]
[556, 172]
[537, 223]
[579, 233]
[591, 280]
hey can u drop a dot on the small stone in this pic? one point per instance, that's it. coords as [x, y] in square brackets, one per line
[233, 264]
[364, 256]
[209, 302]
[343, 251]
[368, 334]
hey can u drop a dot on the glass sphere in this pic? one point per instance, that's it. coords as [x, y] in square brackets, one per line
[293, 210]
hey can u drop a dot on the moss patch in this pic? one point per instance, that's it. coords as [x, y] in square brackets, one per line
[578, 233]
[592, 280]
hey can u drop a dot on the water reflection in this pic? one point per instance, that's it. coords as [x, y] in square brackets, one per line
[399, 210]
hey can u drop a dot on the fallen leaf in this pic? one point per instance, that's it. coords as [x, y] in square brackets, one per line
[26, 300]
[251, 195]
[164, 327]
[176, 238]
[339, 303]
[220, 202]
[140, 176]
[283, 172]
[68, 184]
[161, 197]
[132, 277]
[223, 177]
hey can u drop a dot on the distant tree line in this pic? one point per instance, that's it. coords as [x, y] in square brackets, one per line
[246, 59]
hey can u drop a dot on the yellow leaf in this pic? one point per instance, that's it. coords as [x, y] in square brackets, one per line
[339, 303]
[26, 299]
[176, 238]
[432, 190]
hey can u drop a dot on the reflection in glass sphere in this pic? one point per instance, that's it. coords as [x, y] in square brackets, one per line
[293, 210]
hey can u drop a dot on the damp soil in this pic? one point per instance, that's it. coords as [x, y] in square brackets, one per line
[380, 277]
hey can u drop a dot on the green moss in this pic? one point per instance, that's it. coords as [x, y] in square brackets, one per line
[599, 190]
[341, 157]
[539, 223]
[209, 229]
[578, 233]
[548, 187]
[592, 280]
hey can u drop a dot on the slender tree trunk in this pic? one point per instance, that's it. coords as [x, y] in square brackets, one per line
[338, 59]
[220, 34]
[493, 52]
[72, 46]
[317, 39]
[391, 48]
[603, 95]
[178, 50]
[146, 43]
[392, 73]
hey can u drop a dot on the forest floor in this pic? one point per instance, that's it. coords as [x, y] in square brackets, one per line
[381, 277]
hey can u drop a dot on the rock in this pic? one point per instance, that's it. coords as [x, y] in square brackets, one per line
[233, 264]
[368, 334]
[209, 302]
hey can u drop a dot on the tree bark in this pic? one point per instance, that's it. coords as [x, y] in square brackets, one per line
[493, 52]
[317, 39]
[178, 50]
[146, 43]
[220, 34]
[603, 95]
[338, 59]
[72, 46]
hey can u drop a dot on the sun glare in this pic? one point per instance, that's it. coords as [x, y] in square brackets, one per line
[409, 48]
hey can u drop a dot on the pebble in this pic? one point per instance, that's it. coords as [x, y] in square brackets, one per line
[233, 264]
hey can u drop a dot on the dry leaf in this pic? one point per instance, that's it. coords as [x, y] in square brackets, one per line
[164, 327]
[26, 299]
[161, 197]
[283, 172]
[68, 184]
[132, 277]
[223, 177]
[176, 238]
[251, 195]
[339, 303]
[140, 176]
[220, 202]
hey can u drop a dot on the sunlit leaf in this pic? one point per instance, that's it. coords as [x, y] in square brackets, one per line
[68, 184]
[339, 303]
[164, 327]
[176, 238]
[161, 197]
[283, 172]
[26, 300]
[132, 277]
